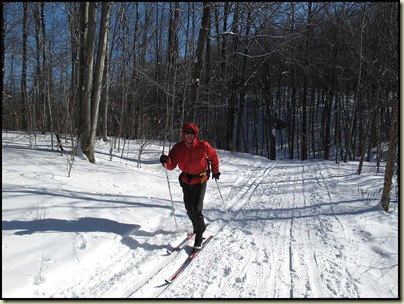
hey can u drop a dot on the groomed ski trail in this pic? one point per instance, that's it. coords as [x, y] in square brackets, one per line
[283, 211]
[282, 240]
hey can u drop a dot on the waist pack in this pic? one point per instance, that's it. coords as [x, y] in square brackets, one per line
[191, 176]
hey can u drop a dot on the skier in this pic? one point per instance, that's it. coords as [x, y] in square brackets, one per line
[193, 156]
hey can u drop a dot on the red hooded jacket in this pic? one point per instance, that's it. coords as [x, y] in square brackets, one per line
[192, 159]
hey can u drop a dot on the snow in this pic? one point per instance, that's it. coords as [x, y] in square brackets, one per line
[312, 229]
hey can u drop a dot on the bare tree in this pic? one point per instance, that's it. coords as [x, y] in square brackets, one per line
[88, 20]
[92, 86]
[98, 75]
[256, 59]
[391, 157]
[240, 132]
[306, 72]
[72, 95]
[197, 64]
[232, 82]
[24, 94]
[172, 66]
[358, 86]
[3, 33]
[105, 85]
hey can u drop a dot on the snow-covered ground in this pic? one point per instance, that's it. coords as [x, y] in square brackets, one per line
[311, 229]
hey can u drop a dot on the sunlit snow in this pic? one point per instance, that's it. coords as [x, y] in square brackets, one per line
[297, 229]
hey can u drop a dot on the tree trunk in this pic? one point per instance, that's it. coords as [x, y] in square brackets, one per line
[243, 94]
[172, 59]
[366, 139]
[312, 118]
[303, 131]
[3, 34]
[39, 73]
[88, 15]
[26, 126]
[91, 87]
[222, 137]
[105, 96]
[197, 65]
[292, 124]
[74, 103]
[233, 82]
[99, 71]
[292, 111]
[326, 124]
[304, 134]
[351, 126]
[391, 157]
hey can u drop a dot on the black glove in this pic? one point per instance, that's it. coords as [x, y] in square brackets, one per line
[163, 158]
[216, 175]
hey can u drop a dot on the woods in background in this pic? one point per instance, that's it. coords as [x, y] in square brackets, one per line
[316, 79]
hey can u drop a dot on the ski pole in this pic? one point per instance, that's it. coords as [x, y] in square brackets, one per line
[168, 181]
[224, 204]
[171, 197]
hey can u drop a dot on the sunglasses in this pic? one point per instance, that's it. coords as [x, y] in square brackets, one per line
[189, 133]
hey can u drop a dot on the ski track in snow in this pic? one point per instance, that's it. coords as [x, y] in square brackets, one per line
[254, 269]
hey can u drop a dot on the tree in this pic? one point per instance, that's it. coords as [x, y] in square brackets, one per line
[391, 157]
[358, 86]
[257, 63]
[172, 60]
[197, 64]
[24, 95]
[87, 19]
[303, 133]
[92, 86]
[232, 81]
[3, 33]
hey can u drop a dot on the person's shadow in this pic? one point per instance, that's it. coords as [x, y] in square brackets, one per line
[84, 224]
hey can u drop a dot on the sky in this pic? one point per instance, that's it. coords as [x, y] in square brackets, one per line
[284, 229]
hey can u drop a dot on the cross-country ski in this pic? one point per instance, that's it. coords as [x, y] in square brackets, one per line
[188, 260]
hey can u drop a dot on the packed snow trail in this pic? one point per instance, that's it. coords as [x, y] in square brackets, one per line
[214, 228]
[285, 215]
[283, 211]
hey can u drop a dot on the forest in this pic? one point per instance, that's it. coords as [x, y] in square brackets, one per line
[312, 79]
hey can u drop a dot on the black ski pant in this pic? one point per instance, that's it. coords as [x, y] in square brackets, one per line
[193, 199]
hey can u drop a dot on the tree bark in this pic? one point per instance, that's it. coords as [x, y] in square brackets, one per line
[24, 100]
[391, 157]
[354, 110]
[197, 65]
[88, 19]
[98, 73]
[105, 96]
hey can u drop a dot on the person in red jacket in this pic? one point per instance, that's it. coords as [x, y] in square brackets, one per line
[193, 156]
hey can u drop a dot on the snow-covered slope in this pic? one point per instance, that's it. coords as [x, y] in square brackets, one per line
[310, 229]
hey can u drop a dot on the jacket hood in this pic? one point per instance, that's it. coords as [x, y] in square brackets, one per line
[190, 125]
